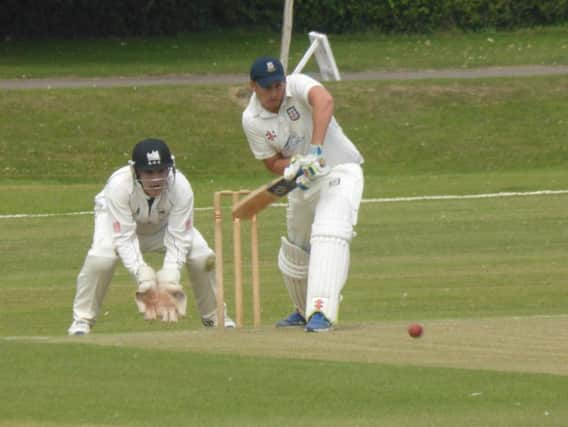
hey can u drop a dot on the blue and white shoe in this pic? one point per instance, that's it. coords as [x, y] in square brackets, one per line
[318, 323]
[295, 319]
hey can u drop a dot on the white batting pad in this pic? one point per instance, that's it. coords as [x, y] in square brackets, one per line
[293, 262]
[92, 284]
[329, 266]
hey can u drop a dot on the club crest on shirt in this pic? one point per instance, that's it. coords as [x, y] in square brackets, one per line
[293, 113]
[270, 135]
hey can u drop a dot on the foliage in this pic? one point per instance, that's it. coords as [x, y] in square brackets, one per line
[85, 18]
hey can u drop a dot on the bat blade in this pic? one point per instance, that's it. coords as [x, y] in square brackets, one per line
[262, 197]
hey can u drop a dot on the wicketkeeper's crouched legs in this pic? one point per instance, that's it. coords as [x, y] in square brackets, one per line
[201, 271]
[92, 284]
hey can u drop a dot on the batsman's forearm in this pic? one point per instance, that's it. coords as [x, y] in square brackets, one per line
[276, 165]
[321, 120]
[322, 112]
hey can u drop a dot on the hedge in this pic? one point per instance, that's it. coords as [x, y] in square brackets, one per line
[102, 18]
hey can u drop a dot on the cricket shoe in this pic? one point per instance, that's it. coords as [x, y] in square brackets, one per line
[229, 323]
[210, 323]
[295, 319]
[79, 327]
[318, 323]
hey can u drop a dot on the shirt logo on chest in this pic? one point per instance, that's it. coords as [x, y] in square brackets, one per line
[270, 135]
[293, 113]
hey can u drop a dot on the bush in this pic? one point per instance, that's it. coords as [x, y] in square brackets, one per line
[88, 18]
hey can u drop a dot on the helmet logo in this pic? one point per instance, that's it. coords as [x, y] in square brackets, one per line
[270, 67]
[153, 157]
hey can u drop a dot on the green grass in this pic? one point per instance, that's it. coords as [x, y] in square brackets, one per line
[485, 276]
[248, 391]
[453, 259]
[232, 52]
[424, 128]
[463, 259]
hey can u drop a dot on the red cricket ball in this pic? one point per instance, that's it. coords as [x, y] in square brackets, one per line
[415, 330]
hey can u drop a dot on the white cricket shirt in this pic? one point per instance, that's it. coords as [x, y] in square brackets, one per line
[289, 132]
[132, 214]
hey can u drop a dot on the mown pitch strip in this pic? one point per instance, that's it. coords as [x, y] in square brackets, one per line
[536, 344]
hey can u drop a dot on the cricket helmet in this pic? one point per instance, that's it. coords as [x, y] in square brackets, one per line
[151, 154]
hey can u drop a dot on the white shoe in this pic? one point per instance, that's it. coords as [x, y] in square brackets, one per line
[79, 327]
[229, 323]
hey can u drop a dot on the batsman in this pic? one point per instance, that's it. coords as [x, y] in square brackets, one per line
[147, 206]
[289, 125]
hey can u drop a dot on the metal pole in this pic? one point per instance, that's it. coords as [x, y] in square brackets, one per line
[286, 32]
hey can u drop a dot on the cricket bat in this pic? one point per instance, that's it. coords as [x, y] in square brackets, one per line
[262, 197]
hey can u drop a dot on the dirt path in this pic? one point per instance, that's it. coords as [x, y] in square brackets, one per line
[195, 79]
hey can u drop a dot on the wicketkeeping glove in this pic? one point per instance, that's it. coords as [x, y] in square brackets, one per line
[172, 302]
[147, 292]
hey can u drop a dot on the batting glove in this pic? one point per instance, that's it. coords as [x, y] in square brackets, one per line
[313, 165]
[294, 169]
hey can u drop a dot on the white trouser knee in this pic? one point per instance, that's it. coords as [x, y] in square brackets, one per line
[202, 276]
[293, 263]
[92, 284]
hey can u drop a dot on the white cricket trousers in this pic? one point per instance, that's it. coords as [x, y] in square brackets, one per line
[321, 221]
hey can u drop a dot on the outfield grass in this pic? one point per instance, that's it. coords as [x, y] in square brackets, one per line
[202, 390]
[232, 52]
[485, 276]
[485, 266]
[411, 128]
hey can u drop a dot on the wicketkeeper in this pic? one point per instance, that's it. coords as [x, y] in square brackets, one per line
[290, 126]
[147, 206]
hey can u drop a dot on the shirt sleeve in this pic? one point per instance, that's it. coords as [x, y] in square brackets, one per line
[299, 85]
[178, 237]
[125, 239]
